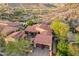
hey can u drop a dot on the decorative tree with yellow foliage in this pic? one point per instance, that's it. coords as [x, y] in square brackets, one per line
[61, 29]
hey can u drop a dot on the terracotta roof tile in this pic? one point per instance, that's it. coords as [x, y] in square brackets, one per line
[7, 30]
[17, 35]
[43, 39]
[38, 28]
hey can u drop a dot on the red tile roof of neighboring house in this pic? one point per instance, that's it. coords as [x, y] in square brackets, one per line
[44, 26]
[38, 28]
[9, 23]
[45, 36]
[17, 35]
[31, 28]
[7, 30]
[2, 25]
[46, 33]
[43, 39]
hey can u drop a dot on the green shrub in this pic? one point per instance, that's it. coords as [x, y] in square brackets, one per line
[60, 28]
[77, 37]
[73, 49]
[19, 12]
[19, 47]
[31, 21]
[74, 46]
[2, 42]
[62, 47]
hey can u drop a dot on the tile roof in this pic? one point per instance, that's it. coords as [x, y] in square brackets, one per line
[15, 35]
[7, 30]
[43, 39]
[31, 28]
[45, 35]
[38, 28]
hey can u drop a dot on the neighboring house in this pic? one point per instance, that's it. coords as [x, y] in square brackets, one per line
[41, 34]
[43, 39]
[2, 25]
[7, 27]
[15, 35]
[9, 23]
[39, 28]
[8, 30]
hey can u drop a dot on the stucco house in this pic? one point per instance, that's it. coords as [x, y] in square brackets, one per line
[15, 35]
[41, 34]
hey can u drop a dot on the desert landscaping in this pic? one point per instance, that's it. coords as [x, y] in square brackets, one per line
[39, 29]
